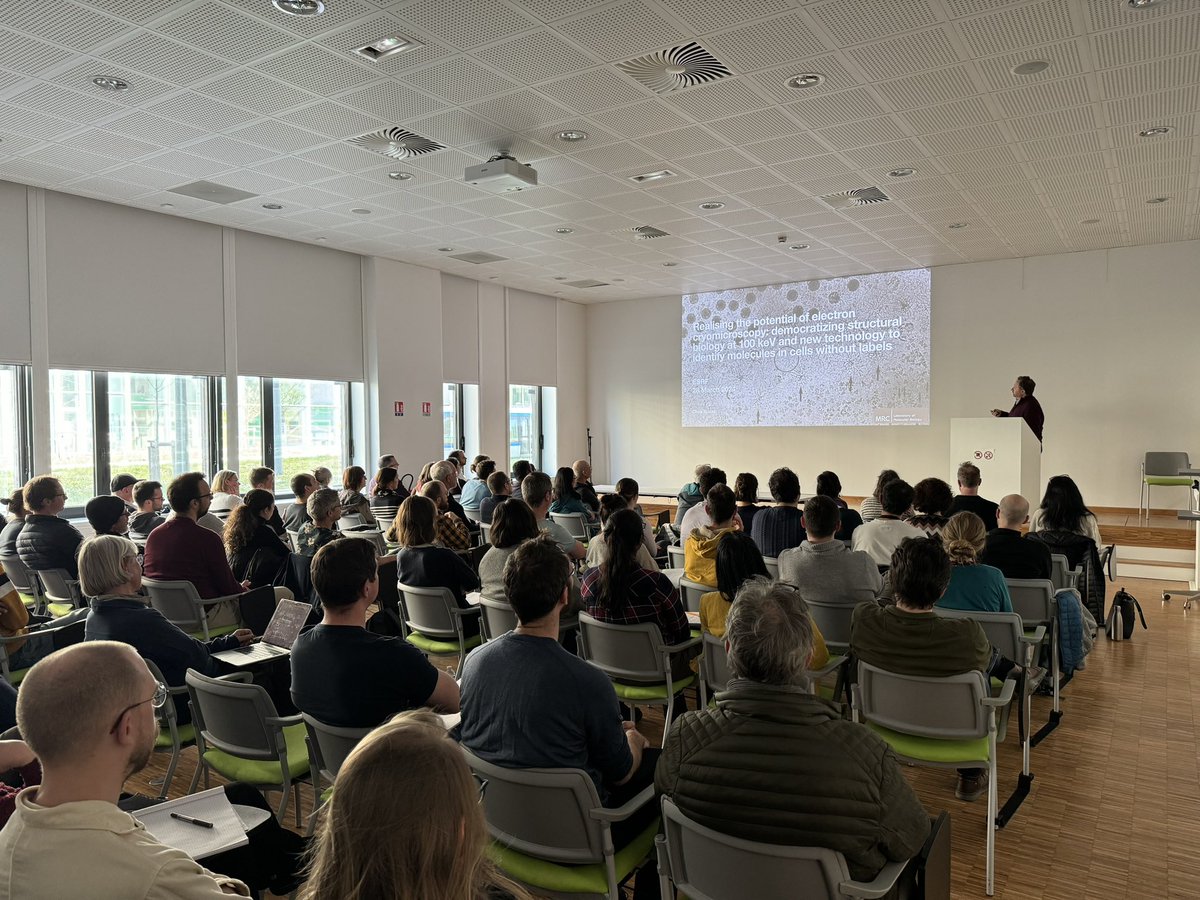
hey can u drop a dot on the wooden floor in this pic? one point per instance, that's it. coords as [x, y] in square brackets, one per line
[1115, 807]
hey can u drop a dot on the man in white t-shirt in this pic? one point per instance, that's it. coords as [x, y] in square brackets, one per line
[880, 537]
[536, 490]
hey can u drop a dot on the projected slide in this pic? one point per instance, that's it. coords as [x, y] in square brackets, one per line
[844, 351]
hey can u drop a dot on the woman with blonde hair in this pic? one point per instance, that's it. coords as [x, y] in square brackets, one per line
[406, 822]
[973, 586]
[225, 494]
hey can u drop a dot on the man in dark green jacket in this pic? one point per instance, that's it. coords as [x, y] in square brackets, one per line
[773, 763]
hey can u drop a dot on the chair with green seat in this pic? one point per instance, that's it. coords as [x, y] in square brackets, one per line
[328, 747]
[180, 604]
[715, 674]
[61, 592]
[637, 661]
[28, 587]
[1161, 469]
[704, 864]
[1033, 599]
[551, 833]
[61, 635]
[945, 722]
[172, 737]
[433, 621]
[241, 736]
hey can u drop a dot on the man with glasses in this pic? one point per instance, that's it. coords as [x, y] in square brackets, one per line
[148, 495]
[47, 541]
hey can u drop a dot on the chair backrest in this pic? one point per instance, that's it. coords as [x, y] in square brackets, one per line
[427, 610]
[21, 576]
[772, 563]
[1166, 463]
[714, 664]
[350, 520]
[692, 592]
[707, 865]
[168, 713]
[1003, 629]
[221, 514]
[178, 601]
[60, 587]
[946, 708]
[575, 523]
[1061, 573]
[833, 620]
[1032, 599]
[498, 618]
[294, 537]
[473, 514]
[331, 744]
[628, 652]
[232, 716]
[542, 812]
[485, 533]
[675, 555]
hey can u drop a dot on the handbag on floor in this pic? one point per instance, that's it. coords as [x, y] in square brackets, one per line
[1121, 620]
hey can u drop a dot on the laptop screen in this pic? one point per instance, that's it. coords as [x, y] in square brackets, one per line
[285, 626]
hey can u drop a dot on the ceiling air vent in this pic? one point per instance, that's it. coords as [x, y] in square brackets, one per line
[645, 232]
[673, 70]
[587, 283]
[478, 257]
[396, 143]
[211, 191]
[857, 197]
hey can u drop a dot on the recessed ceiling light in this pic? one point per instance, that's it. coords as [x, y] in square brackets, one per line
[901, 173]
[400, 176]
[1033, 67]
[272, 206]
[388, 46]
[445, 249]
[1089, 221]
[670, 264]
[299, 7]
[110, 83]
[1142, 4]
[805, 80]
[1158, 199]
[798, 247]
[564, 230]
[572, 137]
[1155, 131]
[958, 225]
[359, 211]
[712, 204]
[652, 176]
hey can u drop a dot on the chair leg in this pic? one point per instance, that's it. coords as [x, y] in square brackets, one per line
[283, 802]
[170, 776]
[990, 886]
[296, 791]
[200, 767]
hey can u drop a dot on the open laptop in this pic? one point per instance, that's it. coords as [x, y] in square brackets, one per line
[277, 640]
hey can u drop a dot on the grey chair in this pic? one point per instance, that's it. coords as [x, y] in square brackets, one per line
[1062, 575]
[1033, 600]
[551, 833]
[772, 564]
[675, 556]
[707, 865]
[181, 605]
[496, 618]
[172, 737]
[473, 514]
[433, 621]
[61, 592]
[714, 667]
[577, 524]
[1161, 469]
[351, 520]
[939, 722]
[833, 620]
[328, 747]
[637, 661]
[241, 737]
[61, 635]
[691, 592]
[485, 533]
[26, 583]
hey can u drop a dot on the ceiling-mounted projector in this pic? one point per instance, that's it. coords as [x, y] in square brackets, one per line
[501, 175]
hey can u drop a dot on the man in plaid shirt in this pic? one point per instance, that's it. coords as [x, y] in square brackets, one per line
[451, 532]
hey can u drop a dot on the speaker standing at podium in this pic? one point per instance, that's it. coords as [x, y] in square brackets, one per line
[1026, 407]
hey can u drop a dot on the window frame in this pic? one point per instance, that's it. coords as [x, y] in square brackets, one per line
[23, 439]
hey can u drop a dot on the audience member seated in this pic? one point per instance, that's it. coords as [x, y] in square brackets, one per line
[689, 495]
[421, 563]
[872, 507]
[111, 578]
[771, 762]
[1008, 550]
[406, 822]
[778, 527]
[386, 461]
[745, 492]
[148, 497]
[323, 475]
[459, 459]
[880, 537]
[263, 479]
[107, 514]
[296, 513]
[1062, 509]
[15, 621]
[823, 568]
[528, 703]
[829, 485]
[476, 488]
[122, 486]
[88, 713]
[347, 676]
[423, 478]
[931, 500]
[973, 586]
[909, 638]
[513, 525]
[354, 480]
[16, 521]
[255, 552]
[584, 487]
[324, 509]
[597, 548]
[535, 489]
[386, 497]
[629, 491]
[500, 489]
[449, 528]
[697, 514]
[226, 492]
[968, 499]
[446, 472]
[520, 469]
[47, 541]
[700, 546]
[566, 498]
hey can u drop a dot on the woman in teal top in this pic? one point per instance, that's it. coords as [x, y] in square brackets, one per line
[973, 586]
[566, 498]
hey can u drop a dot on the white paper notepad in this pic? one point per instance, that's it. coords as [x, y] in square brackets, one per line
[194, 840]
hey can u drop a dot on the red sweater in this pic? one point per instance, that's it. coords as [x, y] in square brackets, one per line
[30, 775]
[181, 550]
[1030, 410]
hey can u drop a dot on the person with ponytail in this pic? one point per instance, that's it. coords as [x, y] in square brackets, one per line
[254, 550]
[973, 586]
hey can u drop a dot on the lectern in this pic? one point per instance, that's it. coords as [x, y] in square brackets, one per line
[1008, 455]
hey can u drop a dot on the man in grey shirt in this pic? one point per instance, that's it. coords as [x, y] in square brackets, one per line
[823, 568]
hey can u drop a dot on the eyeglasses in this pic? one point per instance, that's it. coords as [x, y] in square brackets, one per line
[64, 496]
[482, 782]
[207, 496]
[157, 700]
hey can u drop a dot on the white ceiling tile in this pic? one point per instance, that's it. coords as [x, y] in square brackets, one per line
[825, 110]
[522, 110]
[219, 30]
[465, 24]
[314, 69]
[643, 117]
[1153, 39]
[882, 129]
[1064, 59]
[535, 57]
[460, 80]
[227, 150]
[947, 116]
[718, 99]
[202, 112]
[928, 88]
[1020, 26]
[621, 31]
[255, 91]
[50, 99]
[62, 23]
[155, 55]
[153, 129]
[765, 43]
[906, 54]
[1052, 124]
[332, 120]
[1040, 97]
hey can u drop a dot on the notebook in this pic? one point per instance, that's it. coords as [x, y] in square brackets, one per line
[194, 840]
[277, 640]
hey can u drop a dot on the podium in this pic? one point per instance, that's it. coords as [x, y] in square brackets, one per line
[1008, 455]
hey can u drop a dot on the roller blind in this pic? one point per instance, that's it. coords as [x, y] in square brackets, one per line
[14, 274]
[532, 338]
[460, 329]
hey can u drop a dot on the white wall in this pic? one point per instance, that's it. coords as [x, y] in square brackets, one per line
[1109, 336]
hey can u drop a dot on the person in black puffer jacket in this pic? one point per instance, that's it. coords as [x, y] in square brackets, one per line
[47, 541]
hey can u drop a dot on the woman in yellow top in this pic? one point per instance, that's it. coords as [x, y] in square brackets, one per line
[738, 560]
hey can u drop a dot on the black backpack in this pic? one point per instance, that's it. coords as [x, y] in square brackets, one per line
[1120, 624]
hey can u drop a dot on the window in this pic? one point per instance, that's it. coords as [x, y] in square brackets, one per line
[311, 426]
[460, 419]
[524, 424]
[250, 426]
[158, 425]
[14, 428]
[72, 434]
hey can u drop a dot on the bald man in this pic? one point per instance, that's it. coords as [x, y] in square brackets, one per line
[583, 484]
[87, 712]
[1007, 550]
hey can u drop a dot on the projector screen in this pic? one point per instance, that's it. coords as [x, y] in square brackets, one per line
[844, 351]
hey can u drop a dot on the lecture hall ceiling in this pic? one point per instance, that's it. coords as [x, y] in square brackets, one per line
[238, 93]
